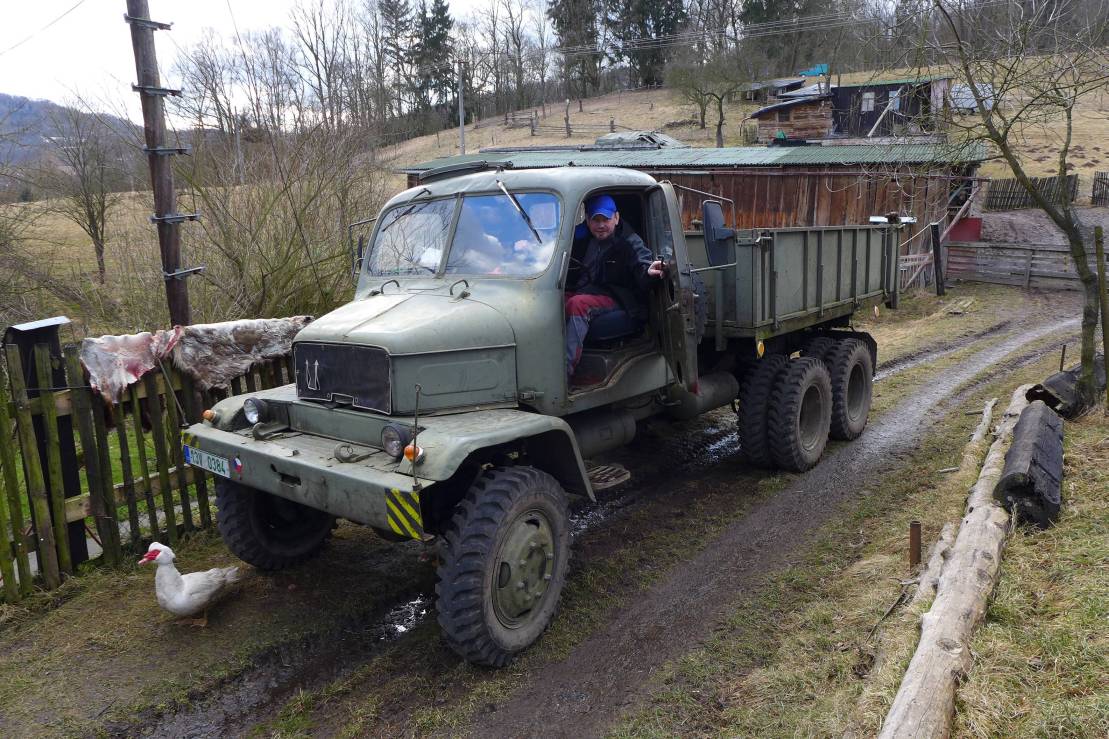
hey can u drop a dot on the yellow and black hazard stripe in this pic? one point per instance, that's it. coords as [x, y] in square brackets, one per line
[403, 509]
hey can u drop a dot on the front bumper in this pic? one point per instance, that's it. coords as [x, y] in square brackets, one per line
[302, 468]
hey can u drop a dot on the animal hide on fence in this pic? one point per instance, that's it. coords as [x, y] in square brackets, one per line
[115, 362]
[216, 353]
[212, 353]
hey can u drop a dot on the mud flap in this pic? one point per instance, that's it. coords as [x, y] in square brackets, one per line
[404, 514]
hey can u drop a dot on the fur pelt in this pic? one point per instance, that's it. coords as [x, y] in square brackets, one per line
[215, 353]
[115, 362]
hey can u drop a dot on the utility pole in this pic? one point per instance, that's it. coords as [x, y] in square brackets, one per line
[168, 220]
[461, 114]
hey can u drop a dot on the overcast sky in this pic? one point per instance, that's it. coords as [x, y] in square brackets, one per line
[87, 51]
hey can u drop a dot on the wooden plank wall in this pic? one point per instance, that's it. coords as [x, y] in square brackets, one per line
[135, 486]
[811, 120]
[1047, 266]
[781, 198]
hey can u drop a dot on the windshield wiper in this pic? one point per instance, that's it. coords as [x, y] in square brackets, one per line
[409, 210]
[521, 211]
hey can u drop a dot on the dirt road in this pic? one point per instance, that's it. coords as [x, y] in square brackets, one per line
[611, 670]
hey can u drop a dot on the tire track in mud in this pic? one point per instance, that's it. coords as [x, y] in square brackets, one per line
[611, 670]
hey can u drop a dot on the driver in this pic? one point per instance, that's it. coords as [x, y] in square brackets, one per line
[612, 269]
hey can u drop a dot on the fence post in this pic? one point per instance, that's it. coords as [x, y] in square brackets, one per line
[94, 472]
[1099, 253]
[937, 259]
[144, 466]
[567, 118]
[36, 485]
[161, 454]
[612, 125]
[54, 490]
[174, 418]
[192, 412]
[11, 514]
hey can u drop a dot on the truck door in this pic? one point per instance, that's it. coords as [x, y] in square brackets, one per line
[673, 316]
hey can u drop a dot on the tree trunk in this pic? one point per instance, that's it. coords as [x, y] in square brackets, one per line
[925, 702]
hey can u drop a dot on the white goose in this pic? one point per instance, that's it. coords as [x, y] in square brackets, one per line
[187, 595]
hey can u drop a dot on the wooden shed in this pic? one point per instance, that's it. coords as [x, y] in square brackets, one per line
[768, 187]
[890, 107]
[798, 118]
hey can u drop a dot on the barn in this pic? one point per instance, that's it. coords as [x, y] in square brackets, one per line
[769, 187]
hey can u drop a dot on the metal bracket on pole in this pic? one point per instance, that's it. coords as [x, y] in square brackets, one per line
[147, 90]
[175, 218]
[167, 151]
[147, 23]
[183, 273]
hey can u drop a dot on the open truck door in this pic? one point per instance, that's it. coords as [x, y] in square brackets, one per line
[674, 307]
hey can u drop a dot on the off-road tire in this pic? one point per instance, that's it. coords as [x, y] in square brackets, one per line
[267, 531]
[472, 577]
[754, 404]
[800, 414]
[852, 373]
[819, 347]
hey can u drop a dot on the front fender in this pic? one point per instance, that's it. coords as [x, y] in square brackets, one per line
[548, 442]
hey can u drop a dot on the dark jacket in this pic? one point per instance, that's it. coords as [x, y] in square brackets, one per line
[622, 272]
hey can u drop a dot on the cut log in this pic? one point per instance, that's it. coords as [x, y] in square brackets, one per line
[1031, 485]
[925, 702]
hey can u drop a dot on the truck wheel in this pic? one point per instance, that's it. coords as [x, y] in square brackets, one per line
[800, 414]
[503, 564]
[852, 374]
[818, 347]
[268, 531]
[754, 403]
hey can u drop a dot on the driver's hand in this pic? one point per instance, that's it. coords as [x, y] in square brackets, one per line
[656, 269]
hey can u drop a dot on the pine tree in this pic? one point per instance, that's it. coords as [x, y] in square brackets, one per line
[396, 33]
[434, 54]
[575, 24]
[636, 21]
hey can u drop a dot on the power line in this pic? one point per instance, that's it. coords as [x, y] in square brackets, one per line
[15, 46]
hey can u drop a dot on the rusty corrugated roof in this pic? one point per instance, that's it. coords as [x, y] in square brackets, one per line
[736, 156]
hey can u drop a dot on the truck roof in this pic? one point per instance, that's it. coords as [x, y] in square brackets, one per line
[571, 182]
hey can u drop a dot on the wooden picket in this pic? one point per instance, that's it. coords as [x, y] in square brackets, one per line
[1100, 192]
[175, 496]
[1011, 194]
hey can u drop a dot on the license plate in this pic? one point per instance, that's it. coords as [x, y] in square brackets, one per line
[205, 461]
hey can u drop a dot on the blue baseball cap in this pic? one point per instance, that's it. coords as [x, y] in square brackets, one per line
[600, 205]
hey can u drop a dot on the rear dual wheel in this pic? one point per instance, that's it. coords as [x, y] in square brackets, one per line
[800, 414]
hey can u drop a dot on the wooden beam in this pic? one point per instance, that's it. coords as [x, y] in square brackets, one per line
[925, 702]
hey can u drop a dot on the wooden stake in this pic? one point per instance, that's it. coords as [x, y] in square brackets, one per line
[161, 454]
[56, 493]
[144, 465]
[11, 515]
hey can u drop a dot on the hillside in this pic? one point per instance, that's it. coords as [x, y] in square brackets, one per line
[25, 125]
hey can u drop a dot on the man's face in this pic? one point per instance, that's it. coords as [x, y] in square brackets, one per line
[602, 227]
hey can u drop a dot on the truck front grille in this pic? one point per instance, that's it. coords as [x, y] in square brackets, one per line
[355, 375]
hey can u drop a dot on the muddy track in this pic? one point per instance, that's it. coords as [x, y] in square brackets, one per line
[931, 354]
[611, 670]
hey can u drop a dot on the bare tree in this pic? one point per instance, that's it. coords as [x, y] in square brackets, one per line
[83, 175]
[1027, 66]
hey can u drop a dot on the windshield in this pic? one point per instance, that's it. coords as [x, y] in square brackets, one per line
[412, 239]
[492, 236]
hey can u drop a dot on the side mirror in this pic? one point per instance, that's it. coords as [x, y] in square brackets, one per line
[719, 240]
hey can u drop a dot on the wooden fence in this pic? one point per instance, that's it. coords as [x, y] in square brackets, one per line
[135, 487]
[1047, 266]
[1010, 194]
[1100, 193]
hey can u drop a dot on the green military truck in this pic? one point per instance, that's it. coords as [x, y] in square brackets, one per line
[436, 402]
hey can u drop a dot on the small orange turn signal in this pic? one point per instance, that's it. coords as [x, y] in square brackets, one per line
[209, 415]
[414, 453]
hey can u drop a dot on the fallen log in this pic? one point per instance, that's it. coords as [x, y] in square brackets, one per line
[925, 703]
[930, 576]
[1031, 485]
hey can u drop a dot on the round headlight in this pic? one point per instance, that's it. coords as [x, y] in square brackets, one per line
[255, 410]
[393, 441]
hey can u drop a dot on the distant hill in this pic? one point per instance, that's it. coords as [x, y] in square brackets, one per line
[26, 124]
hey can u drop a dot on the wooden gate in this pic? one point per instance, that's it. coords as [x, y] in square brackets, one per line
[1048, 266]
